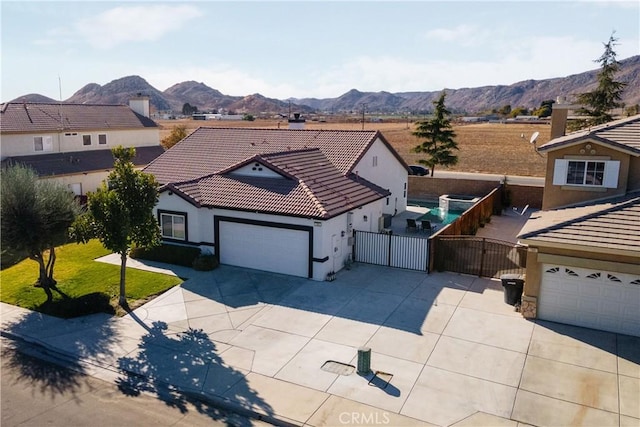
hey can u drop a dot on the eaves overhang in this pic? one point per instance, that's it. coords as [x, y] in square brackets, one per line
[543, 243]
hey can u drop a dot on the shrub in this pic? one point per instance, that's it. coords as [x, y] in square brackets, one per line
[170, 254]
[205, 262]
[67, 308]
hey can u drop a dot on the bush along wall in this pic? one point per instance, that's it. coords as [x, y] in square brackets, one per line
[170, 254]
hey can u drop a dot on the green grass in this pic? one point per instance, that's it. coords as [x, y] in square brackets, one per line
[92, 286]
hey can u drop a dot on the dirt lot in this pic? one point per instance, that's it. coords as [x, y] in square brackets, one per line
[488, 147]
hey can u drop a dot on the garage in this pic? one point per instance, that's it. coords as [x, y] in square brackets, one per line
[604, 300]
[264, 246]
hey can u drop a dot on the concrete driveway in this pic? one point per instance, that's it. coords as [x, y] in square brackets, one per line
[452, 351]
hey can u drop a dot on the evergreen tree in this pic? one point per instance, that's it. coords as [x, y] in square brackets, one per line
[438, 136]
[598, 103]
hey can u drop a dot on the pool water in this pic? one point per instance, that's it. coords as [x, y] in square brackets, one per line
[435, 215]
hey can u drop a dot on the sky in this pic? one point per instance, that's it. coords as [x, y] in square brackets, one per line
[300, 49]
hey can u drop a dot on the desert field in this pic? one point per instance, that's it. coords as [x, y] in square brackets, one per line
[495, 148]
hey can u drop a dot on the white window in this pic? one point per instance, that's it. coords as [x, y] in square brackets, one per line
[86, 139]
[102, 139]
[586, 173]
[173, 226]
[42, 143]
[76, 187]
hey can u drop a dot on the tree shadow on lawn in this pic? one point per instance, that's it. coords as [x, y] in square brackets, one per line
[182, 369]
[70, 307]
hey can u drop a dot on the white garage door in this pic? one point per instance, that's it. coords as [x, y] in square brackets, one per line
[595, 299]
[279, 250]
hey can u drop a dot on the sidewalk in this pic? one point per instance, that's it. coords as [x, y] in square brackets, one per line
[259, 343]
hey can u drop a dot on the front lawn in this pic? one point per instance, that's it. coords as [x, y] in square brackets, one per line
[91, 286]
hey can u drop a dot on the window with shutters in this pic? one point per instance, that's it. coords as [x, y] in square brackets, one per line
[586, 173]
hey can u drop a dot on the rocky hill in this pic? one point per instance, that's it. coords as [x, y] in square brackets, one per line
[528, 93]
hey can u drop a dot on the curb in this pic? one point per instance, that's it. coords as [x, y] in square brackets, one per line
[63, 359]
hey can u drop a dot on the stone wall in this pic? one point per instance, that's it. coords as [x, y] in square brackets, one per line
[529, 307]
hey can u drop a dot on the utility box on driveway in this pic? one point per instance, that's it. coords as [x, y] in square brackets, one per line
[513, 285]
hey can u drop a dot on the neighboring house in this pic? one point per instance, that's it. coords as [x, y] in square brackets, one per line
[583, 262]
[72, 143]
[285, 201]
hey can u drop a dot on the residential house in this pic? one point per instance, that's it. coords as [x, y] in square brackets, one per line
[583, 260]
[72, 143]
[285, 201]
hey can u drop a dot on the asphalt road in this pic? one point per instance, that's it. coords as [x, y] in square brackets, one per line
[37, 392]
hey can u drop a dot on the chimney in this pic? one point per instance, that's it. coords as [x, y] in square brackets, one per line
[559, 115]
[140, 104]
[297, 122]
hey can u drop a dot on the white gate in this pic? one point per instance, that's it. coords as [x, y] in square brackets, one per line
[407, 252]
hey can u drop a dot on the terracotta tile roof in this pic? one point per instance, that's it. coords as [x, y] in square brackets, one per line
[310, 186]
[81, 161]
[623, 134]
[613, 225]
[37, 117]
[211, 150]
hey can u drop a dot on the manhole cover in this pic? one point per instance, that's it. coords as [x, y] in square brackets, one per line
[338, 367]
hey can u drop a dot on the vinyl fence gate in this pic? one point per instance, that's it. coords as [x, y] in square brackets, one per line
[407, 252]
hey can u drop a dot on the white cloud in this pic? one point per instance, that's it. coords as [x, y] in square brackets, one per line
[133, 23]
[224, 78]
[465, 35]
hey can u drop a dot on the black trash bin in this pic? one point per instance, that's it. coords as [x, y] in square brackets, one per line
[513, 285]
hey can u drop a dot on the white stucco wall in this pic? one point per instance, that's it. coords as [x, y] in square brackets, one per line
[89, 182]
[22, 144]
[388, 173]
[197, 230]
[327, 235]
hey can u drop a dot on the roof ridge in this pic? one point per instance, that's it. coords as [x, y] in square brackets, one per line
[260, 158]
[64, 103]
[288, 130]
[319, 205]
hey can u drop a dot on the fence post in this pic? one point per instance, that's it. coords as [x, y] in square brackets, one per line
[482, 251]
[431, 261]
[389, 251]
[353, 248]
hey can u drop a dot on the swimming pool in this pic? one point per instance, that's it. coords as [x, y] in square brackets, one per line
[435, 214]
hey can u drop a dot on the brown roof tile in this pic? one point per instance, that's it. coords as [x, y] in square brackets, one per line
[41, 117]
[311, 186]
[211, 150]
[623, 133]
[613, 225]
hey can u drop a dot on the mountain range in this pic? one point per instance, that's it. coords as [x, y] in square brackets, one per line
[527, 93]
